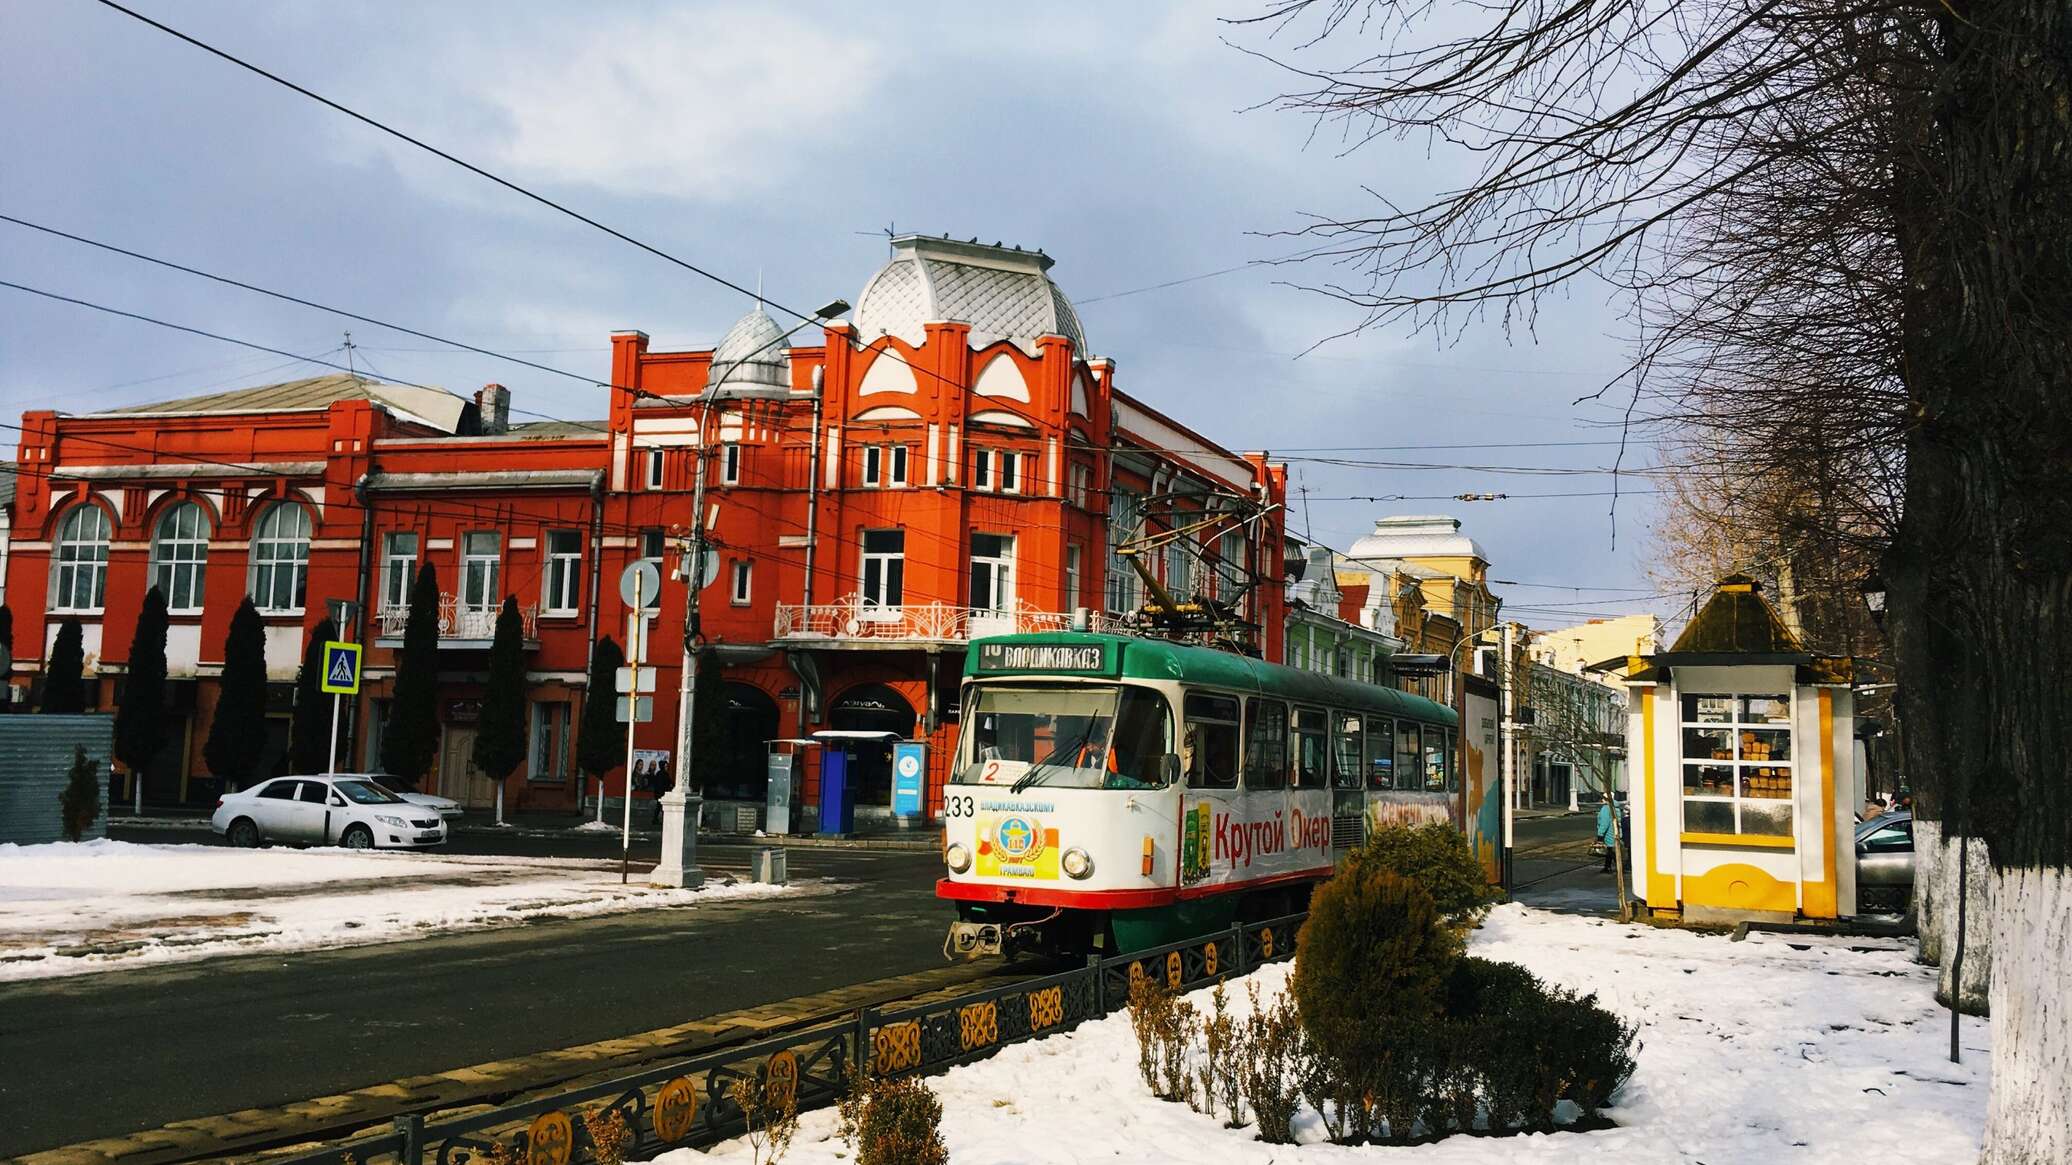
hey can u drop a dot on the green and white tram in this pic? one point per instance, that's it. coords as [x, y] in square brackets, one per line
[1112, 793]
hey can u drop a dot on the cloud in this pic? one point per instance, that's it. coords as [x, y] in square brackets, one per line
[716, 105]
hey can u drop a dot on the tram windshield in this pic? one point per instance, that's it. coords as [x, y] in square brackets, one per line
[1071, 738]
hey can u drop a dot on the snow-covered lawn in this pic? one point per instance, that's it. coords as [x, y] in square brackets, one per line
[102, 905]
[1770, 1050]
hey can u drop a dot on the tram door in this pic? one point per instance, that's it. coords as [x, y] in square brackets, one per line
[1348, 779]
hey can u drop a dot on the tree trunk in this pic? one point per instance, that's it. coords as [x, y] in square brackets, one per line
[1927, 906]
[499, 802]
[2032, 1021]
[1977, 889]
[1981, 570]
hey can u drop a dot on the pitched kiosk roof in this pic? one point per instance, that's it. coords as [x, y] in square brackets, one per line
[1002, 292]
[1737, 619]
[431, 406]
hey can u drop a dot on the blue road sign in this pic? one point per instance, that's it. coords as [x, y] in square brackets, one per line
[341, 668]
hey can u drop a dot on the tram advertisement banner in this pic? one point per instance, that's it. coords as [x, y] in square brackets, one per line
[1228, 838]
[1016, 845]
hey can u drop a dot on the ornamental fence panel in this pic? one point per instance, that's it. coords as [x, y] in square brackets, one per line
[690, 1102]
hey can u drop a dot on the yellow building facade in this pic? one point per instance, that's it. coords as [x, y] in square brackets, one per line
[1743, 769]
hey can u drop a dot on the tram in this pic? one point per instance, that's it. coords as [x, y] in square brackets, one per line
[1111, 793]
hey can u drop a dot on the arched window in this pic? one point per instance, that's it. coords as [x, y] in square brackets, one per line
[82, 558]
[280, 558]
[179, 554]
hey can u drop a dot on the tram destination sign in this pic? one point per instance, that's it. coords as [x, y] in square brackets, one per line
[1074, 658]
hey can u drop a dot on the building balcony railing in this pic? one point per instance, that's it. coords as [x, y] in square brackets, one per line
[852, 619]
[459, 623]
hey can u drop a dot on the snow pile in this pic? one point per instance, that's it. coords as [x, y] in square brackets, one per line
[101, 905]
[1753, 1053]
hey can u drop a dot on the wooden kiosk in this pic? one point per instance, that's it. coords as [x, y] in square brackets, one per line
[1745, 781]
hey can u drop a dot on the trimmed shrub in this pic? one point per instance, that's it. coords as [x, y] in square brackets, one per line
[894, 1122]
[80, 802]
[1588, 1048]
[1435, 856]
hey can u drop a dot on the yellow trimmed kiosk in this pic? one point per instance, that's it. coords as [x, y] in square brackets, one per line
[1746, 785]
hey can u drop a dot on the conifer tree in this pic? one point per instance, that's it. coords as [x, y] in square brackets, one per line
[140, 723]
[410, 739]
[309, 738]
[237, 733]
[601, 739]
[500, 735]
[64, 686]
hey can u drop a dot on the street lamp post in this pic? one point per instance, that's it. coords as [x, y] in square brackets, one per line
[680, 806]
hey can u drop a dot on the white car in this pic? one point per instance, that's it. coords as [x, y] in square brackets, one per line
[445, 807]
[328, 809]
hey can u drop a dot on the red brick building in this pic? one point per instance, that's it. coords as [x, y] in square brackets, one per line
[950, 463]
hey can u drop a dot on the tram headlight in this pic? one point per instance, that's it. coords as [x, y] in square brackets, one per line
[957, 858]
[1078, 863]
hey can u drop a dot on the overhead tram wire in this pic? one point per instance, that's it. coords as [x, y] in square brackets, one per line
[479, 171]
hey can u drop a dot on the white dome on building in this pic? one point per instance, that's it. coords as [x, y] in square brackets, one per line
[1003, 293]
[750, 359]
[1416, 536]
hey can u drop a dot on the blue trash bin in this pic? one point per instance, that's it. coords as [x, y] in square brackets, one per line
[837, 794]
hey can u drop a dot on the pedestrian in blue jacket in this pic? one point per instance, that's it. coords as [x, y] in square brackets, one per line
[1605, 836]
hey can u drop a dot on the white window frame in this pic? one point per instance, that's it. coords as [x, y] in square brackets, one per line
[1010, 471]
[873, 465]
[180, 554]
[654, 468]
[1121, 580]
[1072, 562]
[1734, 726]
[897, 458]
[888, 565]
[654, 544]
[982, 469]
[476, 565]
[999, 591]
[742, 583]
[398, 570]
[730, 464]
[562, 592]
[275, 551]
[79, 558]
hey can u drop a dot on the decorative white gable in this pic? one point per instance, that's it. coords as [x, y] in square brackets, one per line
[1001, 417]
[1002, 377]
[1080, 395]
[888, 373]
[887, 413]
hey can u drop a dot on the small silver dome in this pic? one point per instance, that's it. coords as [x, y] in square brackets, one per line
[750, 360]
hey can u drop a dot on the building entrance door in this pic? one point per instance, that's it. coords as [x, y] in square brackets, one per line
[458, 776]
[872, 708]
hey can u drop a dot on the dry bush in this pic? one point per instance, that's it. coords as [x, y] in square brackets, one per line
[1276, 1051]
[772, 1115]
[893, 1121]
[1222, 1065]
[609, 1135]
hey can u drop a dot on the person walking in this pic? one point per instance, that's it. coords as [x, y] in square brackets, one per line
[1606, 836]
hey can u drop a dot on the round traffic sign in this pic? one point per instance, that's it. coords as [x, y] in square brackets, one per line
[640, 574]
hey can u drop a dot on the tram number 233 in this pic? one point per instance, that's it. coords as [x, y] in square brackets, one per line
[959, 805]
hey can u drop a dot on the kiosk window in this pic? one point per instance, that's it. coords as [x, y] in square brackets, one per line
[1212, 742]
[1737, 764]
[1266, 744]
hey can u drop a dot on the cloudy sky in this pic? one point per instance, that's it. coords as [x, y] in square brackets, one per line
[775, 143]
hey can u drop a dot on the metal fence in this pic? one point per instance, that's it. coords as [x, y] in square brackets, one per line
[690, 1103]
[36, 755]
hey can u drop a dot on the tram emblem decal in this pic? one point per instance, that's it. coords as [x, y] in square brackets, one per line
[1017, 845]
[1195, 834]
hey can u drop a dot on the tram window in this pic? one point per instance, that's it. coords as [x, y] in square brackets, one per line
[1266, 744]
[1212, 742]
[1312, 760]
[1409, 757]
[1345, 742]
[1143, 738]
[1381, 753]
[1435, 760]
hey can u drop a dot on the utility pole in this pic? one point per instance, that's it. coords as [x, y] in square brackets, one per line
[680, 806]
[1507, 761]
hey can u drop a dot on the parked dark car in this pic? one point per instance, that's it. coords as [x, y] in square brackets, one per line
[1885, 864]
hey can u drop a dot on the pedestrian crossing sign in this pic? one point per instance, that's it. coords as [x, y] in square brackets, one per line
[341, 668]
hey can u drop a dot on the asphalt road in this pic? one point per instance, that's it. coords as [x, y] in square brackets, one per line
[100, 1054]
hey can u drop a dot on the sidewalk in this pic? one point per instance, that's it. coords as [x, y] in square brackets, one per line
[551, 825]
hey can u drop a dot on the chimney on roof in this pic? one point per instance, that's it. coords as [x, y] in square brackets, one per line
[493, 405]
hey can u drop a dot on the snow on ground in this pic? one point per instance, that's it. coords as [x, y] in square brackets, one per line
[103, 905]
[1770, 1050]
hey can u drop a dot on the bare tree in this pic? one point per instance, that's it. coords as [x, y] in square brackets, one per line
[1841, 229]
